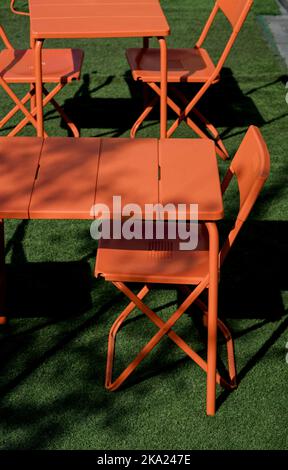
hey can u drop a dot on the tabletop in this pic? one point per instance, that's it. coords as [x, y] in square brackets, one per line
[96, 18]
[62, 178]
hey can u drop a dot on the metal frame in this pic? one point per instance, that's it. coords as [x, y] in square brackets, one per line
[183, 112]
[30, 116]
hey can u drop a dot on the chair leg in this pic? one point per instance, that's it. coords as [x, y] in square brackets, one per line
[229, 345]
[146, 95]
[62, 113]
[213, 131]
[14, 110]
[212, 318]
[143, 116]
[29, 116]
[164, 329]
[112, 342]
[47, 99]
[192, 126]
[171, 334]
[232, 383]
[211, 361]
[221, 149]
[230, 353]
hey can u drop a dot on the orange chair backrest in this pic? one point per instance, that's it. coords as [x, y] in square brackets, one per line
[251, 166]
[235, 10]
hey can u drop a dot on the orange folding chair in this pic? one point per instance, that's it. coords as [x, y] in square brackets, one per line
[188, 66]
[152, 262]
[60, 66]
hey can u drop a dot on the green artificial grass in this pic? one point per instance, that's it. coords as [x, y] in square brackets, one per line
[54, 349]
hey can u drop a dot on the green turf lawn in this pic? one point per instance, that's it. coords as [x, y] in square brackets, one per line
[54, 350]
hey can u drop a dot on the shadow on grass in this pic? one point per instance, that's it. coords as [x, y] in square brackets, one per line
[250, 288]
[225, 105]
[60, 295]
[48, 289]
[88, 111]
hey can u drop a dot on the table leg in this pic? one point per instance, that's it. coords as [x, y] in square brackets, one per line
[212, 317]
[163, 97]
[2, 274]
[38, 83]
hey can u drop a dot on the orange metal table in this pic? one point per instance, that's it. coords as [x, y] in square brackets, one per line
[62, 178]
[97, 19]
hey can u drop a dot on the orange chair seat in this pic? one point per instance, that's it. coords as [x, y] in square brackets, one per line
[59, 65]
[153, 261]
[184, 65]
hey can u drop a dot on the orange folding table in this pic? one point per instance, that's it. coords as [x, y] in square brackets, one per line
[97, 19]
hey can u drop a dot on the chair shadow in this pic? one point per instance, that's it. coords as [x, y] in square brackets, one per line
[88, 111]
[238, 109]
[117, 114]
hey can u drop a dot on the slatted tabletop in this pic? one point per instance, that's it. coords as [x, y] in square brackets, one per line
[96, 18]
[62, 178]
